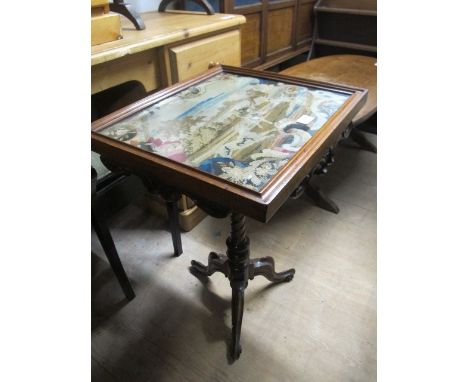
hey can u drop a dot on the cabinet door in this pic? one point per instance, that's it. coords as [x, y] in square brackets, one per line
[195, 57]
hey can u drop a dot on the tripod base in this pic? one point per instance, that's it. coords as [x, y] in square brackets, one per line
[239, 268]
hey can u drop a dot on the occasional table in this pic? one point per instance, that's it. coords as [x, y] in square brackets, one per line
[347, 69]
[237, 141]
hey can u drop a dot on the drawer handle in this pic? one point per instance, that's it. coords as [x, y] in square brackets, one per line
[212, 64]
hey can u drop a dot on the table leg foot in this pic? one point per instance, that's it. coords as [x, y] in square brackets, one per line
[265, 266]
[320, 199]
[216, 263]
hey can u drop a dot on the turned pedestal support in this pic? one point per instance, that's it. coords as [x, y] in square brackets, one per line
[239, 268]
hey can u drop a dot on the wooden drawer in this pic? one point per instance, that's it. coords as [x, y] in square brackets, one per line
[142, 67]
[193, 58]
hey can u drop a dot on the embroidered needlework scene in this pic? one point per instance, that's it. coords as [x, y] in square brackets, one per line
[239, 128]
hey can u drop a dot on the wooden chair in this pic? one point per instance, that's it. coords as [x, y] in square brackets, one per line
[102, 231]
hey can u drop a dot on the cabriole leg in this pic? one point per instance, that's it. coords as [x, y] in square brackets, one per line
[265, 266]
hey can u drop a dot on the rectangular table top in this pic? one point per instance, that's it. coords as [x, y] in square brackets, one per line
[247, 133]
[240, 128]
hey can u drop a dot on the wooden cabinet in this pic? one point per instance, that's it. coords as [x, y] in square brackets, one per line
[142, 67]
[173, 47]
[275, 30]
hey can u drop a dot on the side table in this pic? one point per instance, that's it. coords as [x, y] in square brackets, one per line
[239, 142]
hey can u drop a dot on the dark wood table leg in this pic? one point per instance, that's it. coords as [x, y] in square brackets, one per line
[216, 263]
[171, 198]
[238, 267]
[173, 214]
[320, 199]
[237, 308]
[265, 266]
[105, 238]
[313, 191]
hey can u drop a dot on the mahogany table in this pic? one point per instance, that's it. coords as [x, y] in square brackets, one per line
[237, 141]
[345, 69]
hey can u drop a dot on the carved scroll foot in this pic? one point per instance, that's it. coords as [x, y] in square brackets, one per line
[265, 266]
[238, 267]
[320, 199]
[216, 263]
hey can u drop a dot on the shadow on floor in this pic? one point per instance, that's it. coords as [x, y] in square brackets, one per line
[167, 337]
[106, 289]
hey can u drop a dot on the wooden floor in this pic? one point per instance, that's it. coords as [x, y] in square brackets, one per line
[319, 327]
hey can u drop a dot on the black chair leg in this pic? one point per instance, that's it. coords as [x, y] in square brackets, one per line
[173, 214]
[107, 243]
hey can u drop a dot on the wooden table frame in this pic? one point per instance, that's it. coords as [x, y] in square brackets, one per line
[221, 198]
[206, 187]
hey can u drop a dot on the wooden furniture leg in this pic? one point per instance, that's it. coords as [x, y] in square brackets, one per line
[171, 198]
[359, 137]
[238, 252]
[238, 267]
[173, 214]
[105, 238]
[265, 266]
[320, 199]
[313, 191]
[216, 263]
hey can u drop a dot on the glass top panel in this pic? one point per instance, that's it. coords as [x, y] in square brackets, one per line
[239, 128]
